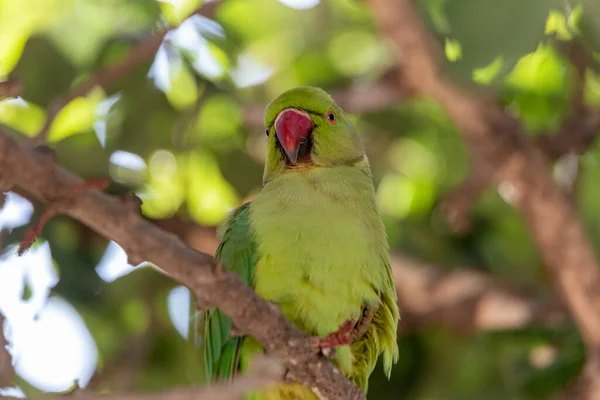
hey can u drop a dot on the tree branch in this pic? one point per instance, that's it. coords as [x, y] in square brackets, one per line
[120, 220]
[464, 300]
[264, 372]
[499, 145]
[104, 78]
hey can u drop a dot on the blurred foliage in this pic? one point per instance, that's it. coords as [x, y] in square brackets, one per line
[176, 132]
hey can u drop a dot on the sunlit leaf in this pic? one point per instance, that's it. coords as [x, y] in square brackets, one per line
[542, 71]
[175, 11]
[10, 52]
[25, 117]
[76, 117]
[574, 19]
[486, 75]
[16, 26]
[557, 24]
[183, 90]
[540, 82]
[453, 50]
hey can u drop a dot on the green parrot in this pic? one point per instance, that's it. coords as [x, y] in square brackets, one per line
[312, 241]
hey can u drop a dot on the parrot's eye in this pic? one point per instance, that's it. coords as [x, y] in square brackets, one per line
[331, 116]
[267, 132]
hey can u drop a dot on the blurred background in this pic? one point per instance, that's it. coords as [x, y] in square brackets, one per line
[178, 120]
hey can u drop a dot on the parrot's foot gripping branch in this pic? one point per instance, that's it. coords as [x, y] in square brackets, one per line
[338, 338]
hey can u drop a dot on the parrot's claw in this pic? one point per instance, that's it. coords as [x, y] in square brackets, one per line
[341, 337]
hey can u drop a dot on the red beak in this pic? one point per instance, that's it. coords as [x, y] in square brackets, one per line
[292, 128]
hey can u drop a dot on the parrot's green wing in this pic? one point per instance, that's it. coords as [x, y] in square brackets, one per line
[237, 252]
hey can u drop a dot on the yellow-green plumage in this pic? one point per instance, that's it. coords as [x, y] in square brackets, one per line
[313, 241]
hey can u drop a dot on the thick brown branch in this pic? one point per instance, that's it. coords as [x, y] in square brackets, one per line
[104, 78]
[464, 299]
[500, 146]
[264, 373]
[115, 219]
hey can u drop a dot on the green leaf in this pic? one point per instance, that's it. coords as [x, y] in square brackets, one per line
[12, 47]
[76, 117]
[453, 50]
[175, 12]
[557, 24]
[542, 71]
[486, 75]
[538, 89]
[25, 117]
[183, 91]
[17, 25]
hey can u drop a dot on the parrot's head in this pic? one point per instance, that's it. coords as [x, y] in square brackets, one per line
[306, 129]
